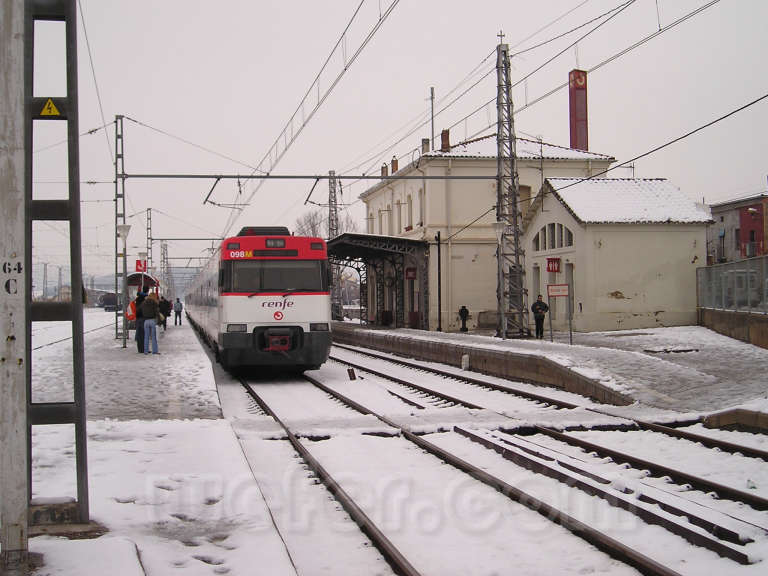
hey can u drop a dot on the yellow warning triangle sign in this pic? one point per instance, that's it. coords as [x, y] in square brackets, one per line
[50, 109]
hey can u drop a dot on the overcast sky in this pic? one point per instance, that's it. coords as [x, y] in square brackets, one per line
[228, 75]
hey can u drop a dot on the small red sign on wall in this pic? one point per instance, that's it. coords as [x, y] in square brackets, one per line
[553, 264]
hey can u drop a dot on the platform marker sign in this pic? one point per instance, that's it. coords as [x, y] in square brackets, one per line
[560, 291]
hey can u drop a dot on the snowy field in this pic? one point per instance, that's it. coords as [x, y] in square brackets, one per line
[188, 476]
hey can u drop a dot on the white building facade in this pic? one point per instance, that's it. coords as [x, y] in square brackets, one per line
[628, 250]
[463, 212]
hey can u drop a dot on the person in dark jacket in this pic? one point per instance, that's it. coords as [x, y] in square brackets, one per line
[165, 310]
[140, 321]
[539, 309]
[177, 308]
[150, 308]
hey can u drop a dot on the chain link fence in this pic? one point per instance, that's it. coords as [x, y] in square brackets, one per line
[741, 285]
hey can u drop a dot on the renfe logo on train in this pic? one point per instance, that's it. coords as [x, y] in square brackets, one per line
[282, 304]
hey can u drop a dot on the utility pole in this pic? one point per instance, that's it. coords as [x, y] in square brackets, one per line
[14, 459]
[58, 293]
[45, 280]
[149, 239]
[510, 290]
[120, 265]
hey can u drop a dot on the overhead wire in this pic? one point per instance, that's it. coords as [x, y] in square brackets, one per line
[95, 82]
[195, 145]
[640, 156]
[608, 60]
[234, 215]
[375, 159]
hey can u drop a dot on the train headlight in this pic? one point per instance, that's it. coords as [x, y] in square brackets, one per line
[318, 327]
[237, 327]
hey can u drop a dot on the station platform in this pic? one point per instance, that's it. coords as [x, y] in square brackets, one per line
[167, 477]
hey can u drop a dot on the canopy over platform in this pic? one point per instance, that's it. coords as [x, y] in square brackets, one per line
[387, 258]
[136, 279]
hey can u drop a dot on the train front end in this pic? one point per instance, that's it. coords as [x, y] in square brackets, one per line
[274, 301]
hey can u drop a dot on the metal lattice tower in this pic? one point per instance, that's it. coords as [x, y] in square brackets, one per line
[165, 276]
[333, 231]
[119, 221]
[149, 269]
[513, 319]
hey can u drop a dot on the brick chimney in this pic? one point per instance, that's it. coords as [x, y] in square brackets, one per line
[425, 145]
[577, 101]
[445, 141]
[384, 170]
[394, 164]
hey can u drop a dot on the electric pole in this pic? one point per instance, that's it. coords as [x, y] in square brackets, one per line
[512, 306]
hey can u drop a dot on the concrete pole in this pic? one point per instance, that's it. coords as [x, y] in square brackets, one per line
[14, 491]
[58, 295]
[45, 280]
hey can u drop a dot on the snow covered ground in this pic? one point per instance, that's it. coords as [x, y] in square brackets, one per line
[686, 368]
[189, 477]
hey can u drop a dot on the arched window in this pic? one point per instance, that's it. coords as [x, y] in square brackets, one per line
[552, 236]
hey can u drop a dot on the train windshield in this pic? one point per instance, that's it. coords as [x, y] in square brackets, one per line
[275, 276]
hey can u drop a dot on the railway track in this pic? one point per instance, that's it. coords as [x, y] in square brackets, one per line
[708, 441]
[701, 530]
[664, 510]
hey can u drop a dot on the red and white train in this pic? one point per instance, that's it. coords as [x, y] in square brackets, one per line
[264, 299]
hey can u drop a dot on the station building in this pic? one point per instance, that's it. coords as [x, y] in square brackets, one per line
[627, 248]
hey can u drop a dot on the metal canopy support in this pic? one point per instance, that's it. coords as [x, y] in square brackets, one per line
[14, 490]
[512, 306]
[333, 231]
[120, 257]
[57, 108]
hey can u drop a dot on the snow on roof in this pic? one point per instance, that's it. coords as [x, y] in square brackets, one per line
[740, 200]
[485, 147]
[632, 200]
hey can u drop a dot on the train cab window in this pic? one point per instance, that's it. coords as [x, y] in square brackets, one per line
[249, 276]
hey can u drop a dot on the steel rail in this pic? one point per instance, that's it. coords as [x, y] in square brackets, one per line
[493, 386]
[648, 515]
[395, 558]
[707, 441]
[600, 540]
[677, 475]
[409, 384]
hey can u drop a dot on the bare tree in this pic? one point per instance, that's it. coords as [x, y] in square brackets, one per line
[312, 223]
[315, 223]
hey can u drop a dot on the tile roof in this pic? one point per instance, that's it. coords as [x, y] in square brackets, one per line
[485, 147]
[628, 200]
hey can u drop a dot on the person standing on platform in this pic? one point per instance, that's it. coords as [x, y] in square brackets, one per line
[539, 309]
[165, 310]
[150, 308]
[140, 296]
[177, 308]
